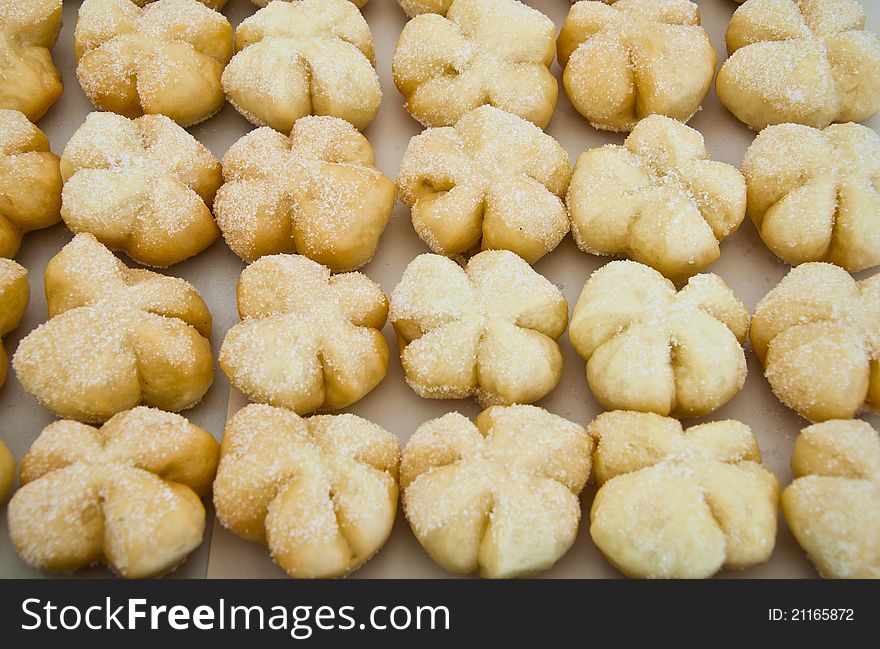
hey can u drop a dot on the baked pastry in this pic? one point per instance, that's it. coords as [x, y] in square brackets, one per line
[833, 504]
[307, 340]
[7, 471]
[680, 504]
[817, 334]
[321, 492]
[652, 349]
[493, 180]
[488, 330]
[14, 294]
[126, 495]
[143, 186]
[635, 58]
[30, 182]
[495, 52]
[499, 495]
[317, 192]
[803, 61]
[305, 57]
[812, 193]
[28, 31]
[657, 199]
[413, 8]
[164, 58]
[116, 337]
[262, 3]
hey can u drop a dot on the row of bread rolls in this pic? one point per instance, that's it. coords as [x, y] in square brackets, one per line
[310, 340]
[498, 496]
[491, 181]
[797, 61]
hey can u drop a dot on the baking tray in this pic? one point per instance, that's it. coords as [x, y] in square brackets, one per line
[746, 264]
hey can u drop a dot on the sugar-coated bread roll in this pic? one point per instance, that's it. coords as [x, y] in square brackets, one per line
[812, 193]
[634, 58]
[495, 52]
[307, 340]
[116, 337]
[317, 192]
[143, 186]
[657, 199]
[164, 58]
[262, 3]
[499, 495]
[804, 61]
[7, 471]
[30, 181]
[833, 504]
[817, 334]
[680, 504]
[492, 181]
[304, 57]
[652, 349]
[320, 492]
[14, 294]
[413, 8]
[28, 31]
[126, 494]
[488, 330]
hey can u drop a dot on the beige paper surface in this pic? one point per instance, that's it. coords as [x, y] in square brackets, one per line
[745, 263]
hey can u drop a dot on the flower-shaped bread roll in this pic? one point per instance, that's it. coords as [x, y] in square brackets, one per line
[14, 294]
[413, 8]
[499, 495]
[307, 340]
[321, 492]
[116, 337]
[803, 61]
[28, 30]
[680, 504]
[143, 186]
[7, 471]
[494, 180]
[488, 330]
[635, 58]
[658, 199]
[818, 335]
[304, 57]
[316, 192]
[652, 349]
[812, 193]
[126, 494]
[165, 58]
[833, 504]
[30, 181]
[495, 52]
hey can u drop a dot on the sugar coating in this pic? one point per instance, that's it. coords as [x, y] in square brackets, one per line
[305, 57]
[499, 495]
[28, 31]
[14, 293]
[126, 494]
[30, 183]
[651, 348]
[317, 192]
[494, 180]
[320, 492]
[634, 58]
[143, 186]
[164, 58]
[680, 504]
[803, 61]
[495, 52]
[657, 199]
[813, 194]
[307, 341]
[488, 330]
[833, 504]
[116, 337]
[817, 334]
